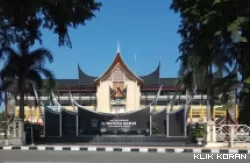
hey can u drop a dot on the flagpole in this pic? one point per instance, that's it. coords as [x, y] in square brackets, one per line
[135, 64]
[136, 80]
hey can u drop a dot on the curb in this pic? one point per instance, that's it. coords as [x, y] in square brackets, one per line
[125, 149]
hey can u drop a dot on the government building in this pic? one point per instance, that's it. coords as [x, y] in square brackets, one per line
[117, 90]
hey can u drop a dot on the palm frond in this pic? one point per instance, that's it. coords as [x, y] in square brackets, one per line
[13, 59]
[9, 71]
[23, 48]
[35, 78]
[5, 84]
[41, 55]
[7, 51]
[48, 75]
[49, 87]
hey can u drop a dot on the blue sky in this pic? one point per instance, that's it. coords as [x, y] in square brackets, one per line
[145, 27]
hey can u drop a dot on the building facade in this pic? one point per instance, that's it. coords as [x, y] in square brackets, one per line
[117, 90]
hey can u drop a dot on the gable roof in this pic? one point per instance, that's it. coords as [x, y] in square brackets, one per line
[118, 60]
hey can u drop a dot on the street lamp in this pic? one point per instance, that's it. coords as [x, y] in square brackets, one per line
[31, 126]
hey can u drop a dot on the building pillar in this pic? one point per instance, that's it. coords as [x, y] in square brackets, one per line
[211, 131]
[19, 133]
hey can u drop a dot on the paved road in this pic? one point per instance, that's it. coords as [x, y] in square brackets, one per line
[100, 157]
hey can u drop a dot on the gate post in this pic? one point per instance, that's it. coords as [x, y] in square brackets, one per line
[231, 141]
[214, 134]
[211, 131]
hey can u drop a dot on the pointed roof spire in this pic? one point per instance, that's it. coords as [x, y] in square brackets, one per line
[118, 47]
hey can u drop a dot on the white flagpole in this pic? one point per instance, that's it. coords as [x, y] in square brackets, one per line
[135, 62]
[135, 82]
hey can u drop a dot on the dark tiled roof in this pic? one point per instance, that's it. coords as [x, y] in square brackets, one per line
[150, 81]
[67, 82]
[85, 79]
[168, 82]
[152, 78]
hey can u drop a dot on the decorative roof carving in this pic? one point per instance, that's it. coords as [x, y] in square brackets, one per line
[118, 60]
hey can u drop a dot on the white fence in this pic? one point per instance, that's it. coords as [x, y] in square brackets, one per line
[8, 130]
[4, 129]
[233, 133]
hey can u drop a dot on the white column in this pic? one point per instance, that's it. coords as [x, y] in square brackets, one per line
[214, 133]
[209, 133]
[231, 143]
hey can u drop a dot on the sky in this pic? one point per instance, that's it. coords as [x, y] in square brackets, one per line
[146, 28]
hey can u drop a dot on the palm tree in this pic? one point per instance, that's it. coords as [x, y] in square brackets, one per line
[23, 67]
[197, 69]
[190, 74]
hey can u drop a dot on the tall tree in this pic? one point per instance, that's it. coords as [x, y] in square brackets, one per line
[228, 27]
[26, 18]
[25, 67]
[199, 30]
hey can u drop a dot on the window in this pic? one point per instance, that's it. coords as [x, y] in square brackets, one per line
[145, 102]
[64, 94]
[66, 103]
[75, 94]
[171, 92]
[163, 103]
[195, 102]
[163, 93]
[149, 93]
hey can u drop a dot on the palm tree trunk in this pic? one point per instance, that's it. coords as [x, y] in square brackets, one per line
[6, 113]
[21, 110]
[209, 93]
[212, 103]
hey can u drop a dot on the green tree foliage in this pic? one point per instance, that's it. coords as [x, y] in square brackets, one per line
[215, 32]
[25, 67]
[25, 18]
[48, 88]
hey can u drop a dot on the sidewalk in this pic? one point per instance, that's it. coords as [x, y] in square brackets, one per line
[91, 148]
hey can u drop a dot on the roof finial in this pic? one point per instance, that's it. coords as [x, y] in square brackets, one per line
[118, 47]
